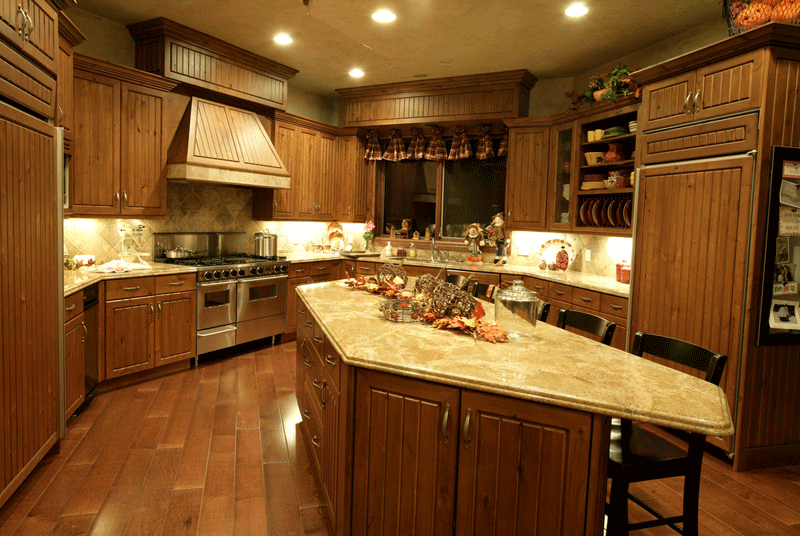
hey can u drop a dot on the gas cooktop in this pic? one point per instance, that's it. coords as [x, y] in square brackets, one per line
[232, 267]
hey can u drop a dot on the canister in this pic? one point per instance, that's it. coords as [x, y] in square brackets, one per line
[515, 310]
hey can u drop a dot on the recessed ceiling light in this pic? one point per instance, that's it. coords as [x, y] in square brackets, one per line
[356, 73]
[577, 10]
[282, 39]
[383, 15]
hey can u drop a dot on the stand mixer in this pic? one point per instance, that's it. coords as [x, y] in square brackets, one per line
[131, 235]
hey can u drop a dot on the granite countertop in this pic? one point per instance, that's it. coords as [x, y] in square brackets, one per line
[75, 280]
[575, 279]
[554, 367]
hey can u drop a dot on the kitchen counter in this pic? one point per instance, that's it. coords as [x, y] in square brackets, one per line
[554, 367]
[575, 279]
[75, 280]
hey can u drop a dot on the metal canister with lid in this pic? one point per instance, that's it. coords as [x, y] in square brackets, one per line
[516, 310]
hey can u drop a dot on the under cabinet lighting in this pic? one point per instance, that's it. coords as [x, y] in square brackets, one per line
[384, 15]
[282, 39]
[577, 10]
[356, 73]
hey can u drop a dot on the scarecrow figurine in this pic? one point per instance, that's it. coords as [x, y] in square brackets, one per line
[474, 240]
[496, 232]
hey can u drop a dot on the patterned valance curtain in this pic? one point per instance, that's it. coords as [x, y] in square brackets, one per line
[503, 149]
[416, 149]
[373, 146]
[460, 149]
[485, 149]
[396, 150]
[436, 150]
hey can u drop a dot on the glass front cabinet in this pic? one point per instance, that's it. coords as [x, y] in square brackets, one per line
[561, 205]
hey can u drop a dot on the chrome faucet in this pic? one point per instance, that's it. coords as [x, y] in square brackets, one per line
[437, 254]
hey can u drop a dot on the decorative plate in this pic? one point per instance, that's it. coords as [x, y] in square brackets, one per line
[595, 215]
[612, 211]
[551, 247]
[620, 210]
[335, 226]
[337, 243]
[626, 213]
[583, 210]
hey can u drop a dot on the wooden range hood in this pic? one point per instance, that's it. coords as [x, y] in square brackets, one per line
[221, 144]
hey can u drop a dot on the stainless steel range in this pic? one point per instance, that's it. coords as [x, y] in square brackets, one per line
[240, 298]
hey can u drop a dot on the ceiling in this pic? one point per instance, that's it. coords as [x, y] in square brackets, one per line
[429, 39]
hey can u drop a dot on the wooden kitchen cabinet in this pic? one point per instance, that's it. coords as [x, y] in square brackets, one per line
[31, 26]
[523, 468]
[119, 167]
[526, 178]
[148, 324]
[69, 36]
[405, 450]
[74, 354]
[354, 175]
[563, 159]
[722, 88]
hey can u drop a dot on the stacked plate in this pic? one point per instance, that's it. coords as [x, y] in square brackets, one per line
[613, 132]
[592, 181]
[632, 126]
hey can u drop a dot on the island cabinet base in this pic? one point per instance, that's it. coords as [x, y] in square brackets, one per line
[397, 455]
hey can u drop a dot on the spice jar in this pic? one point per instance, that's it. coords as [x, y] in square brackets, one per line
[516, 310]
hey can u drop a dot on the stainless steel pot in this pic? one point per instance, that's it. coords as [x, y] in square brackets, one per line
[180, 253]
[265, 244]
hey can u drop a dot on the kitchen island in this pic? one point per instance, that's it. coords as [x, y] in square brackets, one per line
[416, 427]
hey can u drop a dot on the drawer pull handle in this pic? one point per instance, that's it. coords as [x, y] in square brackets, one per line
[317, 340]
[617, 307]
[560, 293]
[299, 270]
[116, 204]
[315, 441]
[365, 268]
[85, 332]
[306, 362]
[151, 313]
[131, 289]
[176, 283]
[321, 268]
[585, 299]
[306, 414]
[159, 309]
[302, 312]
[71, 307]
[686, 108]
[445, 418]
[465, 430]
[697, 101]
[318, 385]
[303, 343]
[308, 324]
[330, 361]
[124, 199]
[538, 287]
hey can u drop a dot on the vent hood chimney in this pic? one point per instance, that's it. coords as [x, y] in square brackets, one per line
[221, 144]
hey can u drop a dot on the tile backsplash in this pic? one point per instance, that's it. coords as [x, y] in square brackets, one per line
[193, 207]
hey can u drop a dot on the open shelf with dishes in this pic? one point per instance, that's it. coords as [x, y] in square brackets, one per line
[605, 177]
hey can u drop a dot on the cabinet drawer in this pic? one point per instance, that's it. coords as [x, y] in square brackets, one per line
[366, 268]
[614, 305]
[73, 306]
[129, 288]
[539, 286]
[317, 340]
[166, 284]
[733, 135]
[302, 269]
[586, 298]
[560, 292]
[322, 268]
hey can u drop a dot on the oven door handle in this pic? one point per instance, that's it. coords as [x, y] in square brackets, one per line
[216, 284]
[264, 278]
[209, 333]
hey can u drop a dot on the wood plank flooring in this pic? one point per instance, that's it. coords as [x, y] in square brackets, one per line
[215, 450]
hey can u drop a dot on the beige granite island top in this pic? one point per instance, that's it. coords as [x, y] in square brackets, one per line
[553, 367]
[75, 280]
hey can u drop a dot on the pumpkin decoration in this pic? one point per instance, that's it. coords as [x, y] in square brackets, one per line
[754, 14]
[785, 11]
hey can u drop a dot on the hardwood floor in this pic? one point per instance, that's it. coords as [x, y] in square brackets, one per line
[214, 450]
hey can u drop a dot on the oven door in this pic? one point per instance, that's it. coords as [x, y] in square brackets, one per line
[259, 297]
[216, 304]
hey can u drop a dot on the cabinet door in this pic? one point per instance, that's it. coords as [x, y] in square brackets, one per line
[29, 304]
[64, 98]
[308, 163]
[523, 468]
[326, 186]
[94, 175]
[563, 145]
[175, 327]
[74, 352]
[329, 449]
[526, 183]
[291, 302]
[729, 86]
[667, 102]
[404, 458]
[130, 330]
[287, 148]
[143, 179]
[353, 172]
[691, 256]
[41, 42]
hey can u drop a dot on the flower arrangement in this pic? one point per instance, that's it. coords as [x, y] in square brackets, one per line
[369, 227]
[608, 86]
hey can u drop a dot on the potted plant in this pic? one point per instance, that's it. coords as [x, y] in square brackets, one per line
[596, 89]
[610, 86]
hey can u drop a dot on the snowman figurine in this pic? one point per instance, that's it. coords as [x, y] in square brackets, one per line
[496, 232]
